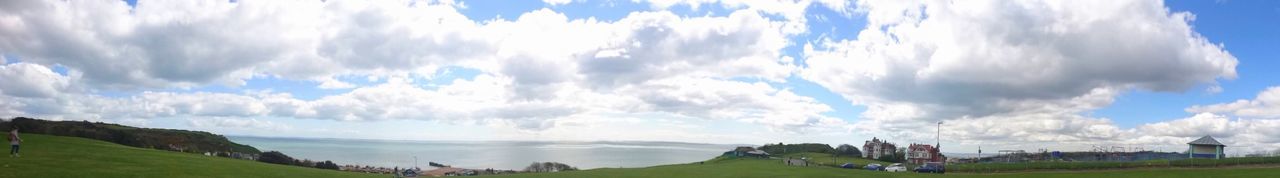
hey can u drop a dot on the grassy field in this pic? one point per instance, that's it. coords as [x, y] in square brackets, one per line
[826, 160]
[54, 156]
[750, 167]
[1035, 166]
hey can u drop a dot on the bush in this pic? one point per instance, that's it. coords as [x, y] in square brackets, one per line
[848, 150]
[327, 165]
[780, 149]
[549, 167]
[275, 157]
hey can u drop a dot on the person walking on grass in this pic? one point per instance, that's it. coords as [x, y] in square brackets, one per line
[14, 140]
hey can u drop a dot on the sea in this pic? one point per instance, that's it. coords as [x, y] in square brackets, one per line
[512, 155]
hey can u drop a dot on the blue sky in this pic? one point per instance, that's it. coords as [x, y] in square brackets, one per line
[1246, 28]
[716, 72]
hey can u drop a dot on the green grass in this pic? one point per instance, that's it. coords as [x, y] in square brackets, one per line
[1034, 166]
[55, 156]
[825, 159]
[752, 167]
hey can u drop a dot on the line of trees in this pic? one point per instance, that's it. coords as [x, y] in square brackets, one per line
[780, 148]
[848, 150]
[276, 157]
[162, 139]
[898, 156]
[549, 167]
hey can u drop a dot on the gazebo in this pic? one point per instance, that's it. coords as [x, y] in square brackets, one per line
[1205, 147]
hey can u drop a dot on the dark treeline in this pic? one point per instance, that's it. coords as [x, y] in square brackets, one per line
[898, 156]
[848, 150]
[779, 149]
[549, 167]
[162, 139]
[275, 157]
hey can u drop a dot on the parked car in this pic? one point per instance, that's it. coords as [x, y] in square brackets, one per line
[896, 167]
[874, 167]
[848, 166]
[932, 167]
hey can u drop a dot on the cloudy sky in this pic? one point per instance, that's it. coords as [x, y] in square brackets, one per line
[1061, 75]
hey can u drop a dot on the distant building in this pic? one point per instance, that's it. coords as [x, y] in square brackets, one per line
[1206, 147]
[923, 153]
[746, 151]
[876, 148]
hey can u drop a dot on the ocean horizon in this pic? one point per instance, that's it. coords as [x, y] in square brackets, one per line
[514, 155]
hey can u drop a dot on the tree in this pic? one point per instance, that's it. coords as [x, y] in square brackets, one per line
[848, 150]
[434, 164]
[327, 165]
[549, 167]
[780, 149]
[275, 157]
[898, 157]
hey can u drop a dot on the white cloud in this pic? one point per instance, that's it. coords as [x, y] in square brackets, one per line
[524, 82]
[1213, 89]
[1244, 135]
[331, 83]
[781, 110]
[557, 2]
[1010, 61]
[32, 80]
[1266, 105]
[996, 71]
[238, 124]
[188, 43]
[1199, 125]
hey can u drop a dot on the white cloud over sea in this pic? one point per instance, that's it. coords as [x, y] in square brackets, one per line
[1020, 73]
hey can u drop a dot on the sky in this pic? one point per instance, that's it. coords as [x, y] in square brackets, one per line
[1000, 75]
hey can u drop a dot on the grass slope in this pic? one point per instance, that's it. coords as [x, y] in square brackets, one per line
[56, 156]
[749, 167]
[825, 159]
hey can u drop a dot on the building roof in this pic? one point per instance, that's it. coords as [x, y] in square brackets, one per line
[1206, 140]
[758, 152]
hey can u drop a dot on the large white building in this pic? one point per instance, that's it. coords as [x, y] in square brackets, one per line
[876, 148]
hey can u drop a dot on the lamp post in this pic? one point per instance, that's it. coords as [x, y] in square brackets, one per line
[939, 136]
[938, 144]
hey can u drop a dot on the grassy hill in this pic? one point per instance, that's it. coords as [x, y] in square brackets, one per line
[56, 156]
[748, 167]
[825, 159]
[165, 139]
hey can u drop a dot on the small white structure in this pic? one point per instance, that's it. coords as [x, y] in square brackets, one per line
[1206, 147]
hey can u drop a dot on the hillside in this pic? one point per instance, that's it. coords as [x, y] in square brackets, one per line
[57, 156]
[751, 167]
[164, 139]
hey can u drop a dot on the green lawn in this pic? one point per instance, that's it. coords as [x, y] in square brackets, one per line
[749, 167]
[55, 156]
[1036, 166]
[826, 160]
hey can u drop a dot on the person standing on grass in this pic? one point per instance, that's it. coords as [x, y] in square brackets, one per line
[14, 140]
